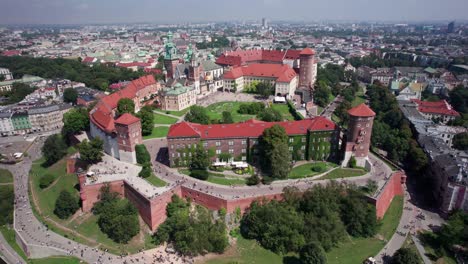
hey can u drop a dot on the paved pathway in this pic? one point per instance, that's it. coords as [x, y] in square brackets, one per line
[8, 252]
[421, 250]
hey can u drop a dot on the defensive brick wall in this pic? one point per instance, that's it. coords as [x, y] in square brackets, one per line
[392, 188]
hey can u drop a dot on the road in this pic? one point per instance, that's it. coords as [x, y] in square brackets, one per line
[328, 111]
[8, 253]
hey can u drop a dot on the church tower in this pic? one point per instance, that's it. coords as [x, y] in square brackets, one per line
[194, 73]
[358, 138]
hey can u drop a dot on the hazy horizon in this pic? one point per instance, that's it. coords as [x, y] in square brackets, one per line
[181, 11]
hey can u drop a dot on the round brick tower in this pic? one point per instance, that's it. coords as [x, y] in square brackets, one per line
[358, 138]
[306, 65]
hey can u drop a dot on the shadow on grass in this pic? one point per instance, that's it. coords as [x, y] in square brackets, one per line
[430, 239]
[291, 260]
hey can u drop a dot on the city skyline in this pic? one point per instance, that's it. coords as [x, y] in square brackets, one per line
[146, 11]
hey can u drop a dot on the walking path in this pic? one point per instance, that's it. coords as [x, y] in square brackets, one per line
[421, 250]
[8, 252]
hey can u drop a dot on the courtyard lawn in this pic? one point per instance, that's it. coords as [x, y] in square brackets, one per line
[343, 173]
[56, 260]
[163, 119]
[156, 181]
[218, 178]
[350, 251]
[175, 113]
[10, 237]
[359, 98]
[306, 170]
[6, 176]
[215, 111]
[158, 132]
[284, 110]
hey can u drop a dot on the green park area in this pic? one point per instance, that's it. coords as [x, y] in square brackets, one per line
[310, 169]
[284, 111]
[351, 251]
[158, 132]
[218, 178]
[5, 176]
[359, 98]
[215, 111]
[156, 181]
[56, 260]
[343, 173]
[174, 113]
[81, 228]
[163, 119]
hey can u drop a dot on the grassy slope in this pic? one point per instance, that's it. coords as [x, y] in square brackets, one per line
[351, 251]
[216, 110]
[5, 176]
[305, 170]
[156, 181]
[218, 178]
[175, 113]
[158, 132]
[56, 260]
[343, 173]
[164, 120]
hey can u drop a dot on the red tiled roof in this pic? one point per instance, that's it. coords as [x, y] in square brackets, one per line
[133, 64]
[249, 128]
[88, 60]
[307, 51]
[11, 53]
[441, 107]
[242, 57]
[102, 114]
[361, 110]
[282, 72]
[126, 119]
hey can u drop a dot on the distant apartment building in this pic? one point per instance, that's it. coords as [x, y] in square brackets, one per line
[6, 74]
[20, 122]
[27, 79]
[440, 110]
[178, 97]
[47, 118]
[6, 126]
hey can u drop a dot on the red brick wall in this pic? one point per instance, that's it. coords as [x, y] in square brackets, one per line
[90, 194]
[71, 165]
[393, 188]
[359, 127]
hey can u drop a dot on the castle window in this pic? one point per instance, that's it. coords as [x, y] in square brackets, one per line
[368, 124]
[291, 140]
[231, 151]
[231, 143]
[244, 142]
[303, 147]
[290, 148]
[244, 150]
[218, 143]
[218, 151]
[303, 139]
[205, 144]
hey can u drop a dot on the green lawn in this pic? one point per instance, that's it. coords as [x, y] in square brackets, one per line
[5, 176]
[218, 178]
[343, 173]
[284, 110]
[163, 120]
[156, 181]
[175, 113]
[10, 237]
[305, 170]
[359, 98]
[158, 132]
[215, 111]
[57, 260]
[351, 251]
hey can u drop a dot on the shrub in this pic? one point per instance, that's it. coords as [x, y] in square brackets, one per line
[317, 168]
[142, 154]
[352, 162]
[199, 174]
[145, 171]
[46, 181]
[253, 180]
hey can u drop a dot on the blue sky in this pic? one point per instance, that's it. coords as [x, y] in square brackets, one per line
[117, 11]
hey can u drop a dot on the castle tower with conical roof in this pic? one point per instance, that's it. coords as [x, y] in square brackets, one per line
[358, 138]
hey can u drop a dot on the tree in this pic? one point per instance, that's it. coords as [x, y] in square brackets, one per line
[227, 118]
[147, 120]
[46, 180]
[145, 171]
[197, 114]
[405, 256]
[118, 218]
[7, 198]
[17, 93]
[322, 95]
[54, 149]
[65, 205]
[125, 105]
[224, 156]
[75, 121]
[253, 180]
[70, 95]
[460, 141]
[142, 154]
[270, 115]
[200, 159]
[91, 151]
[312, 253]
[352, 162]
[265, 89]
[275, 152]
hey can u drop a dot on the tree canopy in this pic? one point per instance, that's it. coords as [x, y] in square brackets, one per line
[274, 149]
[125, 105]
[7, 197]
[192, 232]
[312, 253]
[70, 95]
[197, 114]
[147, 120]
[270, 115]
[66, 205]
[91, 151]
[405, 256]
[17, 93]
[75, 121]
[54, 149]
[99, 76]
[460, 141]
